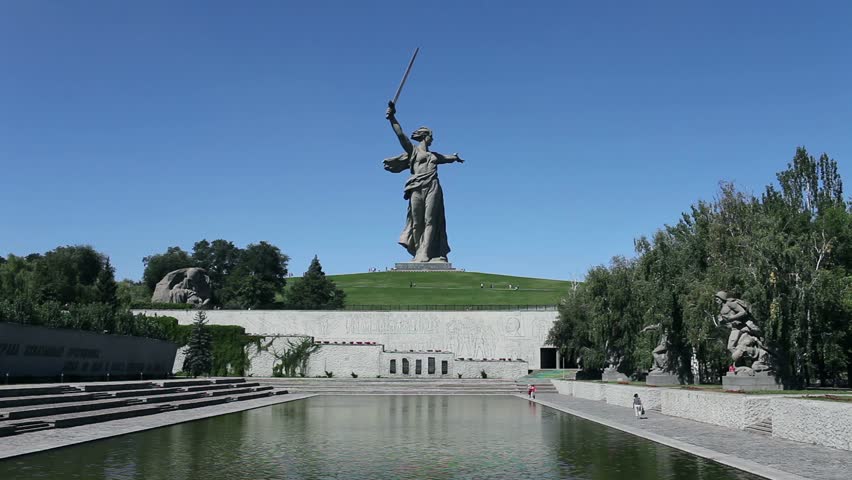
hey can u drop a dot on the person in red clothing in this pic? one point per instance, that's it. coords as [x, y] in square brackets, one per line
[530, 390]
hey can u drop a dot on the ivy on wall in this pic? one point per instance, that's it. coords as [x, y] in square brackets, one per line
[230, 357]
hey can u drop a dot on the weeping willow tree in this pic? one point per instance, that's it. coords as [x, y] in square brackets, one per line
[293, 359]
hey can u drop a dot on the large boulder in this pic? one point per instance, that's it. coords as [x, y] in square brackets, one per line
[185, 285]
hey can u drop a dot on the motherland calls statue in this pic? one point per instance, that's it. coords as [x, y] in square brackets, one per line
[745, 342]
[186, 286]
[425, 232]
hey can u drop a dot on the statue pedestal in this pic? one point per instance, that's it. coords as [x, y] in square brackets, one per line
[750, 383]
[661, 379]
[613, 375]
[424, 267]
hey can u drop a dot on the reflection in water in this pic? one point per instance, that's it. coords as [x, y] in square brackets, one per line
[405, 437]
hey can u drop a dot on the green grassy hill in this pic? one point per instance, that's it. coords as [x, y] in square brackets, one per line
[447, 288]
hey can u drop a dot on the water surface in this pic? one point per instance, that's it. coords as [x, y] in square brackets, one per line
[353, 437]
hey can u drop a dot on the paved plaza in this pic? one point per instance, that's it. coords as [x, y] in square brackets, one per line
[758, 454]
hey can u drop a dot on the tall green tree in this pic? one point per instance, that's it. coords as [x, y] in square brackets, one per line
[158, 265]
[788, 253]
[106, 286]
[572, 331]
[199, 350]
[315, 291]
[68, 274]
[260, 273]
[220, 258]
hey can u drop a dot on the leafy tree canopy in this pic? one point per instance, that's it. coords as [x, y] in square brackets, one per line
[314, 291]
[787, 252]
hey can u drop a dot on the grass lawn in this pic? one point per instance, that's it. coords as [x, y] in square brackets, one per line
[829, 398]
[446, 288]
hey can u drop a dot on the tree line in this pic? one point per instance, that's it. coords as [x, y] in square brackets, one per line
[69, 287]
[242, 278]
[786, 251]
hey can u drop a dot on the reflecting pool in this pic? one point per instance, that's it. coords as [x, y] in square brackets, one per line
[351, 437]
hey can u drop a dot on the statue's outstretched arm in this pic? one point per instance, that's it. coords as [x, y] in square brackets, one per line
[447, 158]
[403, 140]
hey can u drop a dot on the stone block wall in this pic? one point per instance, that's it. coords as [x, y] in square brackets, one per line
[372, 360]
[564, 387]
[622, 395]
[723, 409]
[493, 368]
[590, 390]
[29, 351]
[343, 360]
[813, 421]
[469, 334]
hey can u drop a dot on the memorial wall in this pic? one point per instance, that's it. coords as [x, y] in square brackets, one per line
[474, 335]
[28, 351]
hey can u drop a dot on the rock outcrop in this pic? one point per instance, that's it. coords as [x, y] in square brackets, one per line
[185, 285]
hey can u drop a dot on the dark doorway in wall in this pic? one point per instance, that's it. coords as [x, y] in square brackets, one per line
[431, 365]
[418, 366]
[405, 366]
[393, 366]
[548, 357]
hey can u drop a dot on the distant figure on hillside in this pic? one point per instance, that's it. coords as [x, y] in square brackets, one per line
[481, 285]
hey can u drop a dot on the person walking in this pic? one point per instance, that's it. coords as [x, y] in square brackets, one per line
[530, 390]
[638, 410]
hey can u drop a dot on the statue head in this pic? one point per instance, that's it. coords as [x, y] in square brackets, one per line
[423, 134]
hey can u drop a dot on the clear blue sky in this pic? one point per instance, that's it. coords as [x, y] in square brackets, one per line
[133, 126]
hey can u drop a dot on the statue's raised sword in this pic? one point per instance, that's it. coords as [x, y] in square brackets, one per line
[404, 78]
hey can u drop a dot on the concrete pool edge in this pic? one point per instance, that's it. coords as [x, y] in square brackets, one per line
[747, 466]
[37, 442]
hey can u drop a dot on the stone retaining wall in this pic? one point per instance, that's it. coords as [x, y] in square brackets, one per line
[493, 368]
[590, 390]
[469, 334]
[372, 360]
[723, 409]
[622, 395]
[564, 387]
[29, 351]
[813, 421]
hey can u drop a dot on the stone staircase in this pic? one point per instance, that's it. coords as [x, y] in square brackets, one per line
[405, 386]
[763, 427]
[25, 409]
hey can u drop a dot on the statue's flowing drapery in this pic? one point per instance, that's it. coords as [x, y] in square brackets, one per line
[425, 216]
